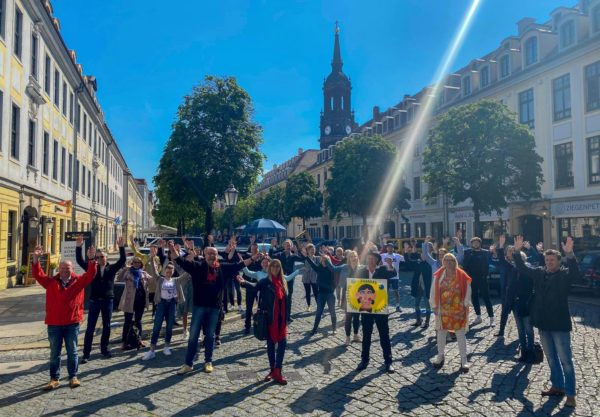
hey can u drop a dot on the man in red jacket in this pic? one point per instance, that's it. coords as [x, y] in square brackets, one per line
[64, 312]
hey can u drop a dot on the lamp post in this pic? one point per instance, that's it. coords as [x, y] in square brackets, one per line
[94, 226]
[231, 198]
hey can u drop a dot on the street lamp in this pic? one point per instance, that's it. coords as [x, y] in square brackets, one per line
[231, 198]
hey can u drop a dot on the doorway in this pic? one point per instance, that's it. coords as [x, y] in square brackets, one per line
[29, 239]
[533, 228]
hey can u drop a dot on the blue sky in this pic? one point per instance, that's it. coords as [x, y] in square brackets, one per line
[147, 56]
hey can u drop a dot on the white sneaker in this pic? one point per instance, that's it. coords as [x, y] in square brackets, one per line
[167, 351]
[240, 309]
[347, 343]
[307, 309]
[149, 355]
[492, 324]
[477, 320]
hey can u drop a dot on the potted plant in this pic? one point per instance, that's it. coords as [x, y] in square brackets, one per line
[53, 266]
[22, 275]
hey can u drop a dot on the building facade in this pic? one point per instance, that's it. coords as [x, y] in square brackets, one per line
[60, 167]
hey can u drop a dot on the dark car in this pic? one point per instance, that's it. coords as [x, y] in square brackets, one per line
[589, 268]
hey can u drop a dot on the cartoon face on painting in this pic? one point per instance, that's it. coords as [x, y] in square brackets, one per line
[366, 296]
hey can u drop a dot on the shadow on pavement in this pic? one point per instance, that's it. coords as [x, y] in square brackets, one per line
[437, 385]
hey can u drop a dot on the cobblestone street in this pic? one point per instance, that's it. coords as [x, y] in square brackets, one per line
[323, 381]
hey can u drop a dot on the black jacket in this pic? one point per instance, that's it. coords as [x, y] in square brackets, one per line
[380, 273]
[519, 287]
[208, 293]
[266, 300]
[325, 277]
[550, 308]
[103, 286]
[476, 263]
[287, 262]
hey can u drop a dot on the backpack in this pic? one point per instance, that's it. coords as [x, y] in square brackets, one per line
[133, 339]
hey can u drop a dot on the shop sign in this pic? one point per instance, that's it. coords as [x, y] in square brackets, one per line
[576, 208]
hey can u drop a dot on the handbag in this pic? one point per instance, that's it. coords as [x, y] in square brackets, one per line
[259, 325]
[538, 353]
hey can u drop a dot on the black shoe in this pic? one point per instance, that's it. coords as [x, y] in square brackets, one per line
[218, 341]
[176, 324]
[84, 360]
[389, 368]
[417, 323]
[313, 332]
[290, 320]
[362, 366]
[425, 323]
[437, 365]
[107, 354]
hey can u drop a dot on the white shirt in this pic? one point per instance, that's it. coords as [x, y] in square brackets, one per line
[168, 289]
[396, 259]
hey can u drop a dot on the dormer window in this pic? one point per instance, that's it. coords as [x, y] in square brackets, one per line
[531, 51]
[567, 34]
[484, 77]
[505, 66]
[466, 85]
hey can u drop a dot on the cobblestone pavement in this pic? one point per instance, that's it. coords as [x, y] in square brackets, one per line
[321, 373]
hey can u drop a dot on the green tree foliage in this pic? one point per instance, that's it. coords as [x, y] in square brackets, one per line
[479, 152]
[302, 197]
[360, 165]
[401, 202]
[214, 142]
[271, 205]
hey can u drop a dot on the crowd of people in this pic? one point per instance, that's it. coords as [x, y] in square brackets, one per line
[446, 277]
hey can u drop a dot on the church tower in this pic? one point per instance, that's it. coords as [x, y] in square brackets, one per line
[337, 116]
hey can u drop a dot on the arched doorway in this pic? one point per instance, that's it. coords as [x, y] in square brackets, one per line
[389, 227]
[29, 238]
[532, 228]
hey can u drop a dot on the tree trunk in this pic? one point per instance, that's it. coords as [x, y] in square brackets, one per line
[208, 220]
[303, 223]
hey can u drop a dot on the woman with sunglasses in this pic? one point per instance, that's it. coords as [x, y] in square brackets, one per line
[450, 301]
[135, 297]
[273, 289]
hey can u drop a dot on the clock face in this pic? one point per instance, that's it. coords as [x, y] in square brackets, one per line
[327, 130]
[348, 129]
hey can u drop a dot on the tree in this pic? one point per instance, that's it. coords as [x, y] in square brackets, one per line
[479, 152]
[358, 171]
[302, 197]
[243, 213]
[213, 143]
[402, 198]
[271, 205]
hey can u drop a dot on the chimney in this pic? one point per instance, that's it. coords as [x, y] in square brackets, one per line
[524, 23]
[376, 113]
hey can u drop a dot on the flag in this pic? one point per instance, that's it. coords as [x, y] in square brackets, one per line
[68, 204]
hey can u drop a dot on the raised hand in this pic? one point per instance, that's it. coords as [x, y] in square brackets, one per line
[161, 243]
[37, 252]
[91, 253]
[501, 241]
[456, 241]
[120, 241]
[239, 279]
[173, 251]
[518, 242]
[459, 234]
[79, 241]
[493, 248]
[304, 251]
[567, 247]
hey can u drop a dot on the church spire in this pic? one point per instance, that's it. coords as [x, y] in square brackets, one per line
[336, 63]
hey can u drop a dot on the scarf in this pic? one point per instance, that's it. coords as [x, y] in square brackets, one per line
[211, 275]
[278, 328]
[462, 278]
[137, 276]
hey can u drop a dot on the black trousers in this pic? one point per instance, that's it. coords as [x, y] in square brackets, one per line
[139, 305]
[307, 290]
[381, 321]
[351, 322]
[251, 295]
[480, 288]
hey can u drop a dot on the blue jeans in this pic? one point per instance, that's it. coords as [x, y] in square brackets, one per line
[201, 315]
[418, 305]
[56, 335]
[165, 311]
[394, 288]
[276, 358]
[557, 347]
[321, 300]
[525, 330]
[96, 307]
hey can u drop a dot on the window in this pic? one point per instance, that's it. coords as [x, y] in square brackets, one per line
[63, 160]
[34, 55]
[31, 144]
[420, 229]
[64, 102]
[593, 150]
[526, 113]
[2, 17]
[567, 34]
[531, 51]
[592, 86]
[505, 66]
[70, 183]
[18, 45]
[15, 129]
[84, 127]
[462, 226]
[466, 86]
[596, 19]
[484, 81]
[561, 95]
[405, 230]
[83, 180]
[416, 188]
[47, 74]
[10, 236]
[55, 161]
[1, 106]
[71, 108]
[56, 87]
[563, 165]
[46, 155]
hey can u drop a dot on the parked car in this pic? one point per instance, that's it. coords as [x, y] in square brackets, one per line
[589, 268]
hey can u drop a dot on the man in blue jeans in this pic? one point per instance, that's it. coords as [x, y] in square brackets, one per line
[102, 295]
[64, 312]
[550, 314]
[208, 282]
